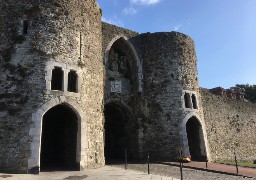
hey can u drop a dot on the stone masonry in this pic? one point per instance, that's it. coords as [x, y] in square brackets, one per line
[35, 37]
[230, 126]
[168, 71]
[123, 90]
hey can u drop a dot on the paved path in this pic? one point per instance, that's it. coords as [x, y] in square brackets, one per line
[244, 171]
[194, 171]
[188, 173]
[105, 173]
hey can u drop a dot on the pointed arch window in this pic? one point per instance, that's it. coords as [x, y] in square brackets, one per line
[57, 79]
[72, 81]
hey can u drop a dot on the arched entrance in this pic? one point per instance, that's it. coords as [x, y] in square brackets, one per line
[128, 55]
[59, 139]
[117, 137]
[195, 139]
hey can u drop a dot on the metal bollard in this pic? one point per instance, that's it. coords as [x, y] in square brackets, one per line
[181, 163]
[125, 159]
[148, 164]
[236, 165]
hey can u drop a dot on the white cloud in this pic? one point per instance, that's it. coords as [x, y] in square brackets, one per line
[129, 11]
[115, 21]
[176, 28]
[135, 3]
[144, 2]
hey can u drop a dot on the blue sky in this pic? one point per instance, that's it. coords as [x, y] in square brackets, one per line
[224, 32]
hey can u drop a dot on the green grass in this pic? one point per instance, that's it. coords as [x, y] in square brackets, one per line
[247, 164]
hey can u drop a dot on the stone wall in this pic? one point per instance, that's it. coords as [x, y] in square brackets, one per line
[112, 33]
[169, 68]
[122, 69]
[230, 126]
[156, 71]
[114, 38]
[36, 34]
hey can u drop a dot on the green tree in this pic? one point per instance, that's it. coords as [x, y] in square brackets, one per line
[249, 90]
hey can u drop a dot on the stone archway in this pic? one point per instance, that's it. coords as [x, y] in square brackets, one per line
[195, 139]
[36, 131]
[117, 133]
[59, 139]
[136, 64]
[192, 119]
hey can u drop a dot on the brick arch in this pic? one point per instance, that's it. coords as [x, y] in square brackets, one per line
[135, 55]
[184, 139]
[36, 131]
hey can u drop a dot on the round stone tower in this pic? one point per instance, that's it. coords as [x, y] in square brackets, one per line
[171, 95]
[51, 85]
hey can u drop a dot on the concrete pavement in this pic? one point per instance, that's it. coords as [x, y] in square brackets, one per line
[105, 173]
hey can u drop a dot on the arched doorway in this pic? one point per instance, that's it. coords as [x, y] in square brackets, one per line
[59, 139]
[117, 137]
[195, 139]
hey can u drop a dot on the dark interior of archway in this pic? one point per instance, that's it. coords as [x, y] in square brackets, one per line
[193, 134]
[116, 134]
[122, 49]
[59, 139]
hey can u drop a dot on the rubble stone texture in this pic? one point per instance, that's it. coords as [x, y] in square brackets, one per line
[231, 126]
[151, 79]
[64, 32]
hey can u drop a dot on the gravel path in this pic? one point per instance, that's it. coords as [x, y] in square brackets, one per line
[188, 174]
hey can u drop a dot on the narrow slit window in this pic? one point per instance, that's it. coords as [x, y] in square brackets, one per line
[72, 81]
[57, 79]
[187, 100]
[25, 27]
[194, 102]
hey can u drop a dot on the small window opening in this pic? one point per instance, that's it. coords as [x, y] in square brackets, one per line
[57, 79]
[25, 27]
[194, 101]
[187, 100]
[72, 81]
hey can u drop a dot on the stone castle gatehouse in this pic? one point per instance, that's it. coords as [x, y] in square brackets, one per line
[76, 92]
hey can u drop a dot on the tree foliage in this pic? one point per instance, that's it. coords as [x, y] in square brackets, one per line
[249, 90]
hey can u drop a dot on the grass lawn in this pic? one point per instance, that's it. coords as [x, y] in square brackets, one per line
[247, 164]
